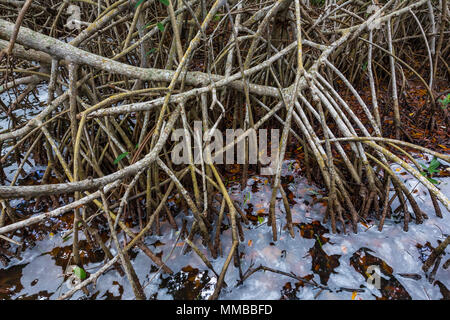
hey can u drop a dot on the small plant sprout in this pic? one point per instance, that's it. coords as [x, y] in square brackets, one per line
[247, 197]
[430, 170]
[445, 102]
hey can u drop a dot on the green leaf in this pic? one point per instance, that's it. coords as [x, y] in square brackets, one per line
[445, 101]
[164, 2]
[433, 181]
[120, 157]
[434, 163]
[260, 220]
[153, 50]
[318, 239]
[160, 26]
[80, 273]
[138, 3]
[217, 17]
[248, 196]
[364, 66]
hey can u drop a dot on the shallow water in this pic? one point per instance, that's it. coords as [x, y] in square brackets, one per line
[336, 263]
